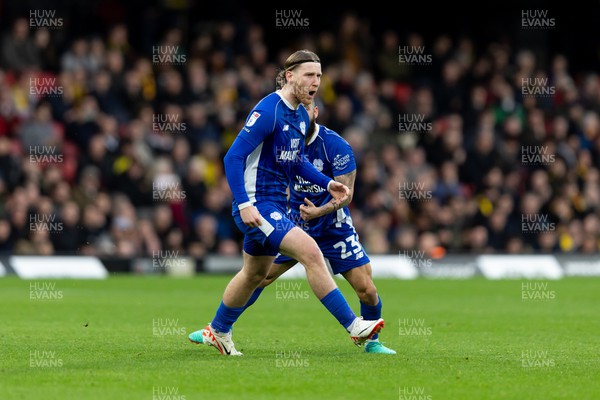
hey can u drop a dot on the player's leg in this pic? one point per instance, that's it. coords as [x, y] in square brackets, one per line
[341, 246]
[298, 245]
[278, 225]
[280, 265]
[258, 255]
[278, 268]
[236, 295]
[240, 288]
[361, 280]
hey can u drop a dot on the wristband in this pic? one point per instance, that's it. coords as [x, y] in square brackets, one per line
[244, 205]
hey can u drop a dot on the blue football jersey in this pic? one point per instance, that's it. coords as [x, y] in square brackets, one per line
[333, 156]
[276, 131]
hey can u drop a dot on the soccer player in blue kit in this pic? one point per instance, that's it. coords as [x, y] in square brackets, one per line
[265, 157]
[331, 224]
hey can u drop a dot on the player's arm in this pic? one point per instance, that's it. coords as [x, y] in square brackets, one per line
[338, 191]
[258, 126]
[348, 180]
[309, 211]
[343, 166]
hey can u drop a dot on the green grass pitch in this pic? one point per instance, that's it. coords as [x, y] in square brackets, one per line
[126, 338]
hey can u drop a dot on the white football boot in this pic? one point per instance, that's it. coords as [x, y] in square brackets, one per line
[362, 330]
[221, 341]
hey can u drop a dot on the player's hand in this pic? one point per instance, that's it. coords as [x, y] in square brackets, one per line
[251, 216]
[308, 210]
[339, 192]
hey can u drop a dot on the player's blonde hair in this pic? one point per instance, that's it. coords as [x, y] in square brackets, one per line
[295, 59]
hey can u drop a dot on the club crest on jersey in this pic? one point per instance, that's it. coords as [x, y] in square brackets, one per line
[275, 216]
[252, 120]
[318, 163]
[303, 127]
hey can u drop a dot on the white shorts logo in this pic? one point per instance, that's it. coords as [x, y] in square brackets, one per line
[275, 215]
[255, 115]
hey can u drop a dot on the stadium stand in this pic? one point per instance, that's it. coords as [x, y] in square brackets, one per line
[111, 139]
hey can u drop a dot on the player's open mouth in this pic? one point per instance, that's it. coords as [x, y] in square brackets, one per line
[312, 92]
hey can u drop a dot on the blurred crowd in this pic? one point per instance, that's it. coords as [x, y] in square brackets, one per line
[111, 150]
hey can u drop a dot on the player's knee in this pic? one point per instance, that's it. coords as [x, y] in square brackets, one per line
[256, 277]
[312, 256]
[267, 281]
[305, 250]
[368, 294]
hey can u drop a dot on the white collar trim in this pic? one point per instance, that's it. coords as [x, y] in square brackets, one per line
[314, 137]
[287, 103]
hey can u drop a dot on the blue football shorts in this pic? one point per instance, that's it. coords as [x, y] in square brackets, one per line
[265, 239]
[340, 246]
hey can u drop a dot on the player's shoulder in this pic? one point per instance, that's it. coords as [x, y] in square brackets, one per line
[269, 102]
[263, 113]
[274, 104]
[330, 136]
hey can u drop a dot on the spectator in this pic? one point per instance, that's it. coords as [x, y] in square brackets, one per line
[467, 163]
[40, 134]
[19, 51]
[67, 239]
